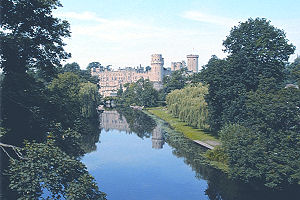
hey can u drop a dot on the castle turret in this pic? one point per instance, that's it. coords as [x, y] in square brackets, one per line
[192, 63]
[157, 63]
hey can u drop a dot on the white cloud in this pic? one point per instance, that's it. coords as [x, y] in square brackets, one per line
[123, 42]
[206, 18]
[85, 16]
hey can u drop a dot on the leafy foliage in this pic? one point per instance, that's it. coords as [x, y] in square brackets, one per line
[269, 149]
[31, 36]
[176, 81]
[188, 104]
[94, 65]
[40, 102]
[293, 72]
[51, 173]
[257, 50]
[140, 93]
[89, 98]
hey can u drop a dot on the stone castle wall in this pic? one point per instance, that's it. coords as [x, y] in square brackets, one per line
[111, 80]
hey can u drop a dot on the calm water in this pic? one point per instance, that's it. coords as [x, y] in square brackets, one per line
[136, 156]
[139, 158]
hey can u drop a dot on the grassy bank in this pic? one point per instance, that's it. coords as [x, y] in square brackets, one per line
[214, 157]
[177, 125]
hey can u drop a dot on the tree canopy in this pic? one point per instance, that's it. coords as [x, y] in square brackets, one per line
[140, 93]
[31, 36]
[188, 104]
[257, 50]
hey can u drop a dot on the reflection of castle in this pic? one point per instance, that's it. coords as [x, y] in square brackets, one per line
[113, 120]
[111, 80]
[157, 138]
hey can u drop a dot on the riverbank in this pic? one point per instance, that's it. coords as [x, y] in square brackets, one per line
[188, 131]
[193, 134]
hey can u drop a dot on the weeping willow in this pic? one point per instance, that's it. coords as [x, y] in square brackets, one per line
[89, 97]
[188, 104]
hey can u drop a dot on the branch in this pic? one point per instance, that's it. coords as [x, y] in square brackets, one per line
[14, 148]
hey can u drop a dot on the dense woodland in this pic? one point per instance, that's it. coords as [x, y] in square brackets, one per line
[53, 107]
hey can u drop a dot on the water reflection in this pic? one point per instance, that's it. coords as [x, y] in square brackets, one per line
[122, 155]
[157, 138]
[133, 121]
[111, 119]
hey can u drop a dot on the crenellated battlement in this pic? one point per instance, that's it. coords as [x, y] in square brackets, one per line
[157, 59]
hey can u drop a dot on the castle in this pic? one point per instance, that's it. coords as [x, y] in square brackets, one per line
[110, 81]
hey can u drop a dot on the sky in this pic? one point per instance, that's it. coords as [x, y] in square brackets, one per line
[124, 33]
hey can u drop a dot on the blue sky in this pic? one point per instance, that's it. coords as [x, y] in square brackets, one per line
[125, 33]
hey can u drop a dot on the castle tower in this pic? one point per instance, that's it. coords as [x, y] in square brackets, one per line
[192, 63]
[157, 63]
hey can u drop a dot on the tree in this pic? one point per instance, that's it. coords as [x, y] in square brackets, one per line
[256, 50]
[31, 40]
[140, 93]
[220, 94]
[266, 146]
[89, 98]
[175, 81]
[48, 168]
[31, 36]
[188, 104]
[94, 65]
[66, 106]
[73, 67]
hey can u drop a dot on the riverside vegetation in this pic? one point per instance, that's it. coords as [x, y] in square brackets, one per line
[51, 106]
[244, 100]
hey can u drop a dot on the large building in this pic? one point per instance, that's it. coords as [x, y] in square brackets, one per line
[110, 81]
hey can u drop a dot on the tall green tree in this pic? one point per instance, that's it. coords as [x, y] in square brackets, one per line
[293, 72]
[176, 81]
[140, 93]
[94, 65]
[71, 67]
[256, 50]
[31, 36]
[31, 39]
[89, 98]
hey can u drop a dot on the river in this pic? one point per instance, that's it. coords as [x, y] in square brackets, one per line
[138, 157]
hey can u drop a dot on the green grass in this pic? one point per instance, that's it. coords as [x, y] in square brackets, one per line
[191, 133]
[177, 125]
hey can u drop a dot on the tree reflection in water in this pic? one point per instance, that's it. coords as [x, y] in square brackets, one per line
[219, 185]
[52, 168]
[133, 121]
